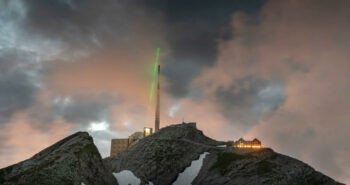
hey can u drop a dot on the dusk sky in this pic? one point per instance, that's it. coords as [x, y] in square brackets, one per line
[277, 70]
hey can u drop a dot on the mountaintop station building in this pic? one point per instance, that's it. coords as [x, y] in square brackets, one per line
[241, 143]
[120, 145]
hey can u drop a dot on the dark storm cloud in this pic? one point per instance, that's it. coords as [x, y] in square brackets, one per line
[34, 34]
[193, 29]
[71, 21]
[84, 24]
[249, 100]
[83, 109]
[18, 82]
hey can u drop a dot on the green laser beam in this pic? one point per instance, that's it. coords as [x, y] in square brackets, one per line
[155, 67]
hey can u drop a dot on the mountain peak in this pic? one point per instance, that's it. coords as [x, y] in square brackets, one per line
[73, 160]
[184, 131]
[161, 158]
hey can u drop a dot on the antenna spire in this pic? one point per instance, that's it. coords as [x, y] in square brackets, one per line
[156, 127]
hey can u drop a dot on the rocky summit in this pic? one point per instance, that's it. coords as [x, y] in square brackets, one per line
[74, 160]
[160, 159]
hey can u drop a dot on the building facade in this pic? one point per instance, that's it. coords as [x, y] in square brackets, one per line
[118, 146]
[241, 143]
[133, 138]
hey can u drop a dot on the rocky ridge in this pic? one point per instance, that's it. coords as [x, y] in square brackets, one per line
[160, 158]
[262, 166]
[71, 161]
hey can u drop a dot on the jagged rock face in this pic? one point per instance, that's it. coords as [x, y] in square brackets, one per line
[71, 161]
[159, 158]
[184, 131]
[259, 167]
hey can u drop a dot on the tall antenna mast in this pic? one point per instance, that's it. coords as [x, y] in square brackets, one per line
[156, 127]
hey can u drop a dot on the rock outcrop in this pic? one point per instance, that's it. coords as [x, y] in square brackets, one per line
[160, 158]
[263, 166]
[71, 161]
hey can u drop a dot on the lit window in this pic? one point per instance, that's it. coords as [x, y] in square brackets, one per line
[147, 131]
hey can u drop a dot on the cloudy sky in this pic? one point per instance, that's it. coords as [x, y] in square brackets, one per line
[275, 70]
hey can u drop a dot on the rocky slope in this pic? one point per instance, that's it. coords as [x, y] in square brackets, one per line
[71, 161]
[159, 159]
[262, 166]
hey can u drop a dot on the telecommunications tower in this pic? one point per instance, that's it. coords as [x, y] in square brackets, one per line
[156, 126]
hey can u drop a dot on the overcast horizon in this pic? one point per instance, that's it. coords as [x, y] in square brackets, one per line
[274, 70]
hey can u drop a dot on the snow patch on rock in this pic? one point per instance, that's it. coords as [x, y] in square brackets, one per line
[191, 172]
[126, 177]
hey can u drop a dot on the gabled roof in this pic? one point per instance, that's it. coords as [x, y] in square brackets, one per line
[255, 139]
[241, 139]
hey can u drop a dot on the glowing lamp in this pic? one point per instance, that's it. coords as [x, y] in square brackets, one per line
[147, 131]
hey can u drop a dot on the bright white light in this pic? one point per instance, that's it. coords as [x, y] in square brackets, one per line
[126, 123]
[173, 109]
[65, 100]
[98, 126]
